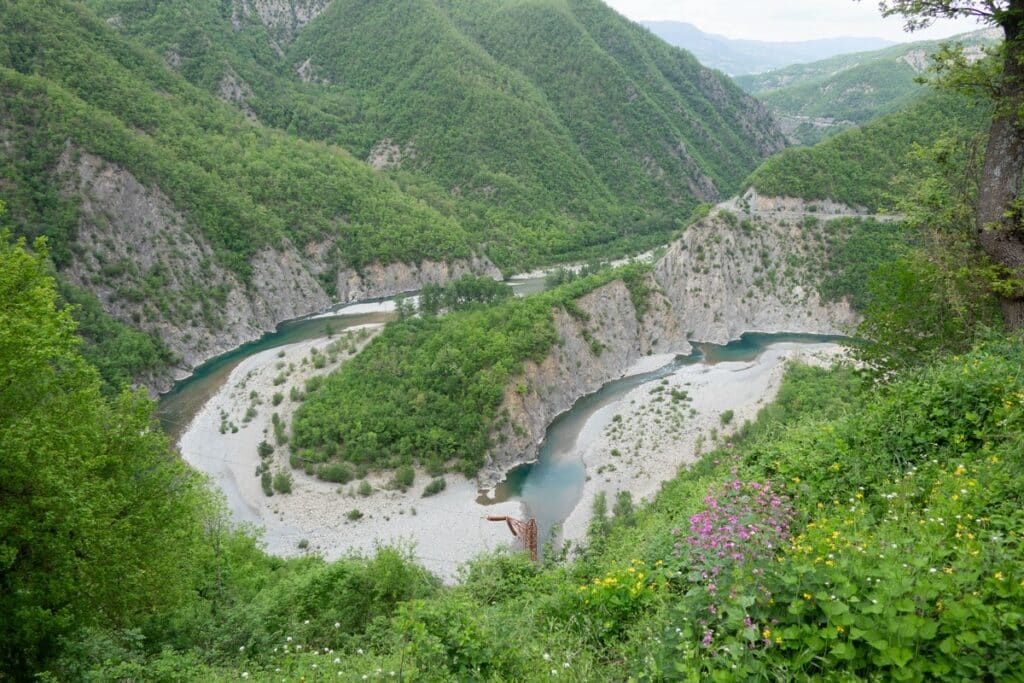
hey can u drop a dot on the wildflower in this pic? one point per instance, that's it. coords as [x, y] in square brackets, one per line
[337, 624]
[1000, 576]
[359, 651]
[547, 657]
[245, 674]
[840, 629]
[565, 665]
[767, 633]
[241, 648]
[289, 639]
[306, 622]
[337, 660]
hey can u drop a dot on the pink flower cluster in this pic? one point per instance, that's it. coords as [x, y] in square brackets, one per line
[741, 523]
[740, 528]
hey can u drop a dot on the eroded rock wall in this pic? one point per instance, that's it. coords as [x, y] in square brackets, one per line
[592, 350]
[729, 274]
[151, 269]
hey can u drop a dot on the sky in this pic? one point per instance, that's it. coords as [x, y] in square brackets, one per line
[786, 19]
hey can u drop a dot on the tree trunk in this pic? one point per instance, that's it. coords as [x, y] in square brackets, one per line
[1000, 217]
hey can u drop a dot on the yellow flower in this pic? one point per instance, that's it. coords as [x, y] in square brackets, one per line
[1000, 576]
[840, 629]
[767, 633]
[807, 596]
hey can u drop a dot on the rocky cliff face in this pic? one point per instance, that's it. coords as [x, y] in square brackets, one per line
[593, 349]
[751, 272]
[152, 270]
[283, 18]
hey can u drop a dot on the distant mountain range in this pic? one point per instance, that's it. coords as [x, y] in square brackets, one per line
[815, 100]
[737, 57]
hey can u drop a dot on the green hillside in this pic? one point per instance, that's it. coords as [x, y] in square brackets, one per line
[67, 79]
[558, 125]
[820, 99]
[859, 166]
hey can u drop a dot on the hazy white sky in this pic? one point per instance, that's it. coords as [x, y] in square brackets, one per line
[785, 19]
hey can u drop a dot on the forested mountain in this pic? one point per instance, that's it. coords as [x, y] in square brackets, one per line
[560, 123]
[860, 166]
[735, 56]
[170, 213]
[815, 100]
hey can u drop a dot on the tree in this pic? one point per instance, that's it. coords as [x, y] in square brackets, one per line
[101, 524]
[999, 218]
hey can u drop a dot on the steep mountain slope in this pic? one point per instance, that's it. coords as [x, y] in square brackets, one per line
[816, 100]
[557, 124]
[184, 219]
[859, 166]
[735, 57]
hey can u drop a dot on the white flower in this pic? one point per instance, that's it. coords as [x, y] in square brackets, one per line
[245, 674]
[337, 624]
[298, 647]
[932, 570]
[547, 657]
[337, 660]
[565, 665]
[306, 622]
[359, 651]
[289, 639]
[313, 666]
[241, 648]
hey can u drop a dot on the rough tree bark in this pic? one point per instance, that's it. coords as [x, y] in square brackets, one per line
[1000, 216]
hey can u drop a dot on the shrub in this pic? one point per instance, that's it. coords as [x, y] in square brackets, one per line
[354, 515]
[726, 417]
[403, 478]
[435, 487]
[365, 489]
[283, 481]
[264, 449]
[336, 472]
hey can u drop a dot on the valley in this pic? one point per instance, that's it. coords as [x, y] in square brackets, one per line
[301, 300]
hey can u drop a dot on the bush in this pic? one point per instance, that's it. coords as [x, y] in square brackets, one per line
[264, 450]
[336, 472]
[435, 487]
[354, 515]
[283, 481]
[726, 417]
[365, 489]
[403, 478]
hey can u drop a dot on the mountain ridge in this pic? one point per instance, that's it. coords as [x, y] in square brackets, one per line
[738, 57]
